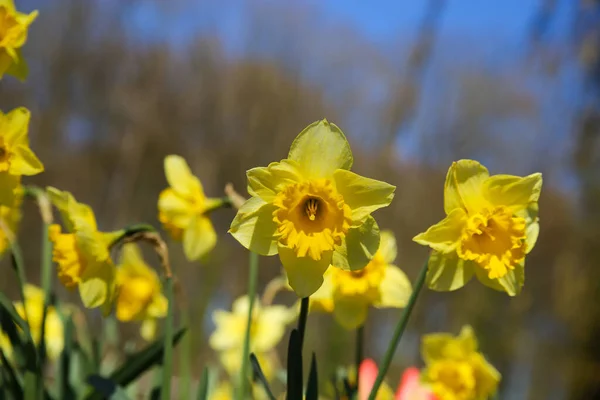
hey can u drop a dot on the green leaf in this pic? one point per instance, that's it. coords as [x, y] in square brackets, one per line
[260, 376]
[11, 381]
[139, 363]
[202, 393]
[312, 387]
[107, 388]
[294, 367]
[64, 388]
[22, 342]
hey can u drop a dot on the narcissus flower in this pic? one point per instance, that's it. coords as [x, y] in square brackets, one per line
[82, 254]
[139, 292]
[16, 158]
[13, 35]
[10, 217]
[311, 210]
[34, 309]
[348, 294]
[455, 369]
[184, 209]
[266, 331]
[491, 224]
[410, 387]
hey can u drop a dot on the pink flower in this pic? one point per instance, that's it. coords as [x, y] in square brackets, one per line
[410, 387]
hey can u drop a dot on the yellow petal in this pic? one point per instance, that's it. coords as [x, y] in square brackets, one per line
[90, 242]
[395, 288]
[16, 67]
[448, 272]
[514, 192]
[511, 283]
[254, 228]
[463, 186]
[180, 177]
[322, 299]
[148, 329]
[358, 247]
[363, 195]
[439, 346]
[445, 235]
[387, 246]
[320, 149]
[266, 182]
[199, 238]
[159, 306]
[230, 330]
[304, 273]
[25, 162]
[270, 327]
[97, 286]
[175, 209]
[17, 126]
[350, 311]
[8, 187]
[488, 377]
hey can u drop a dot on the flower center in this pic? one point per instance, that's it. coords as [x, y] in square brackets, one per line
[495, 240]
[312, 217]
[8, 23]
[4, 156]
[364, 282]
[70, 264]
[452, 379]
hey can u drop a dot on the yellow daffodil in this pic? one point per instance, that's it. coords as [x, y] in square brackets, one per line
[311, 210]
[82, 254]
[33, 310]
[139, 291]
[184, 209]
[266, 331]
[455, 369]
[16, 158]
[9, 220]
[491, 224]
[13, 35]
[348, 294]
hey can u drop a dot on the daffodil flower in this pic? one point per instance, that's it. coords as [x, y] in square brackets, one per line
[491, 224]
[311, 210]
[34, 310]
[455, 369]
[16, 158]
[348, 294]
[13, 35]
[266, 331]
[82, 254]
[139, 292]
[184, 209]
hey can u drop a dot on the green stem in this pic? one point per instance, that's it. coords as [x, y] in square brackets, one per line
[302, 319]
[18, 264]
[252, 282]
[46, 279]
[185, 358]
[360, 338]
[387, 360]
[168, 354]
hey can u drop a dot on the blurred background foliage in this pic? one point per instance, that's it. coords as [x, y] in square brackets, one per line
[117, 85]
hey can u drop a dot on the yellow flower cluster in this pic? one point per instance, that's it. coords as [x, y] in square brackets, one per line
[13, 35]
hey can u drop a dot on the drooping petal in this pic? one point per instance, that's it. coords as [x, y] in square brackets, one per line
[445, 235]
[97, 285]
[305, 274]
[532, 230]
[320, 149]
[180, 177]
[25, 162]
[511, 283]
[463, 186]
[387, 246]
[395, 288]
[266, 182]
[8, 187]
[448, 272]
[488, 377]
[363, 195]
[254, 228]
[199, 238]
[350, 311]
[358, 247]
[322, 299]
[514, 192]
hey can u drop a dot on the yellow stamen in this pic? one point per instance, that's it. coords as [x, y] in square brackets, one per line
[311, 207]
